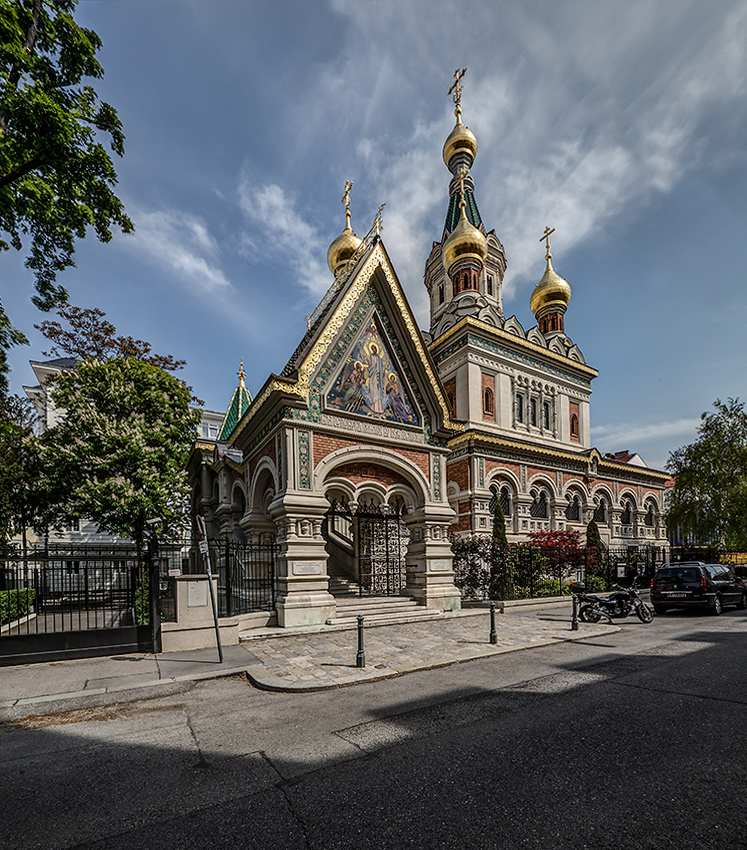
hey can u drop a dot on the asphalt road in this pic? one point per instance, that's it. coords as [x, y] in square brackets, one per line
[629, 741]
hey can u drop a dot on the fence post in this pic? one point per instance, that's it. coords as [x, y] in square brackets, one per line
[229, 583]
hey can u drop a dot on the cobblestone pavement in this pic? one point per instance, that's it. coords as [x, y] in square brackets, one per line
[323, 660]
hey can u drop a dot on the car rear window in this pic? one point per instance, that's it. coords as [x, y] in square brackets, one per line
[680, 573]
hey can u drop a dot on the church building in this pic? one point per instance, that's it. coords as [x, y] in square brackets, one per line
[378, 441]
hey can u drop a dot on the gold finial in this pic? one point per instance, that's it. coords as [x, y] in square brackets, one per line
[460, 177]
[546, 240]
[456, 90]
[377, 225]
[346, 200]
[241, 373]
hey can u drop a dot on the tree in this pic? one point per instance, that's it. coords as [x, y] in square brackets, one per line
[709, 497]
[56, 178]
[91, 335]
[119, 453]
[593, 537]
[18, 467]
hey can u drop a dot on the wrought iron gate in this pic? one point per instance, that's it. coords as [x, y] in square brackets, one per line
[381, 548]
[72, 602]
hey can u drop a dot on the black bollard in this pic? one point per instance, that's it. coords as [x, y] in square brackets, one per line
[360, 658]
[493, 633]
[574, 621]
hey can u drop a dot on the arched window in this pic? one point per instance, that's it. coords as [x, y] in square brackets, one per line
[488, 404]
[650, 519]
[546, 415]
[626, 517]
[573, 509]
[450, 397]
[600, 512]
[538, 508]
[519, 408]
[574, 427]
[441, 294]
[490, 284]
[505, 500]
[533, 412]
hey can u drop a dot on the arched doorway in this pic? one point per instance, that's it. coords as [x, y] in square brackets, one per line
[367, 546]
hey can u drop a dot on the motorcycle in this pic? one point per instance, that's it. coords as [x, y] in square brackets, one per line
[616, 606]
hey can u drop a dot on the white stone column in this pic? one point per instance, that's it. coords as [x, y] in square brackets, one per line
[430, 573]
[303, 583]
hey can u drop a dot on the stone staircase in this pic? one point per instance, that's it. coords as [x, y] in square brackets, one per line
[377, 610]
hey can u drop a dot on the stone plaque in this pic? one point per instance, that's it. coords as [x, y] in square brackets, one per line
[308, 568]
[197, 594]
[441, 565]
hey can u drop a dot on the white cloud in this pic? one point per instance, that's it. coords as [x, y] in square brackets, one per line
[628, 435]
[181, 244]
[285, 233]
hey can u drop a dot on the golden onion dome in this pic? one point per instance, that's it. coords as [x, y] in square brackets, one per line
[343, 248]
[465, 243]
[460, 140]
[551, 293]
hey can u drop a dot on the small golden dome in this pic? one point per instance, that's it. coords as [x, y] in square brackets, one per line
[551, 293]
[466, 243]
[343, 248]
[460, 140]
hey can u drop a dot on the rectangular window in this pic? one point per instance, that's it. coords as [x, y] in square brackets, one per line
[441, 294]
[533, 412]
[546, 415]
[490, 284]
[519, 408]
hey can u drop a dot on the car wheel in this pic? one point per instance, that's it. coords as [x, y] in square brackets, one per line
[660, 609]
[742, 604]
[717, 607]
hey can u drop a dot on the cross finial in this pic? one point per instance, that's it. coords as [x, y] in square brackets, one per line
[346, 199]
[456, 90]
[546, 239]
[241, 373]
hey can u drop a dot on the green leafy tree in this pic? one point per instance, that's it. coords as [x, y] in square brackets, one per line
[501, 574]
[593, 537]
[709, 497]
[118, 456]
[19, 457]
[56, 177]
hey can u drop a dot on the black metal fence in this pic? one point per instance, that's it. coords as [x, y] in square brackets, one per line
[71, 588]
[246, 575]
[523, 571]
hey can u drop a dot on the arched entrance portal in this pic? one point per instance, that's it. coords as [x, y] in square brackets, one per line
[367, 547]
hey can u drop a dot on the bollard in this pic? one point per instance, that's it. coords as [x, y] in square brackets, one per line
[574, 621]
[360, 658]
[493, 633]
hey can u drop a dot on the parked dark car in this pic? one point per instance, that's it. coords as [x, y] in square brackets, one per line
[696, 585]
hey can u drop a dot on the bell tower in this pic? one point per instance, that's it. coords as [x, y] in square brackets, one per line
[464, 272]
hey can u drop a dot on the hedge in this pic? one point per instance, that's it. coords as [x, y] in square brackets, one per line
[15, 604]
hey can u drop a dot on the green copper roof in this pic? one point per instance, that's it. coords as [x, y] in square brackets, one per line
[473, 214]
[238, 407]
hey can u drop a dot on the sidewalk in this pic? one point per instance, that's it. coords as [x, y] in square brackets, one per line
[283, 660]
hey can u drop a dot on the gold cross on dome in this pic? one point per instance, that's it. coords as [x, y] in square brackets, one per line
[346, 196]
[546, 240]
[456, 88]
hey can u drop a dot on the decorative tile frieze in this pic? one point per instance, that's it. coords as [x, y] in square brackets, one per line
[304, 453]
[436, 476]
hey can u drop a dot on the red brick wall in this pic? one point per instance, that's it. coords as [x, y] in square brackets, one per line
[325, 444]
[458, 471]
[268, 450]
[357, 472]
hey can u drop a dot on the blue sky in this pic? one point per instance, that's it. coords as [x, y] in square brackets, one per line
[621, 124]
